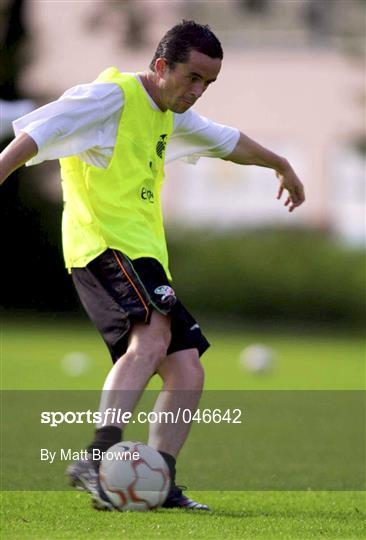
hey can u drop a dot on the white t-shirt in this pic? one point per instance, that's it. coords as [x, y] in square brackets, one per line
[84, 122]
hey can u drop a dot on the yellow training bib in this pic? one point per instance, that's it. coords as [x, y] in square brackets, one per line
[119, 207]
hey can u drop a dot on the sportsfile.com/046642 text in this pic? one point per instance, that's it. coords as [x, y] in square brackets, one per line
[112, 415]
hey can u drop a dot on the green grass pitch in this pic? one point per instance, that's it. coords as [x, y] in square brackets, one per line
[31, 358]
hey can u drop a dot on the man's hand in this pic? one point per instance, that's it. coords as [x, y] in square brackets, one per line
[290, 182]
[249, 152]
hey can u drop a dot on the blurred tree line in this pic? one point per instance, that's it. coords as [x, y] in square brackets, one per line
[298, 275]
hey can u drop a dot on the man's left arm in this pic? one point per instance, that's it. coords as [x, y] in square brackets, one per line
[248, 152]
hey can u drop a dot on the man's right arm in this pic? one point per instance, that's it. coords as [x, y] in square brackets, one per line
[72, 125]
[18, 152]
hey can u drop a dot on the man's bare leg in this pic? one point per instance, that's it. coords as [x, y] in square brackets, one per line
[130, 374]
[124, 384]
[183, 378]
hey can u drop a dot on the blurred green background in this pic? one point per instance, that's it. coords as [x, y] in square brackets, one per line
[251, 273]
[59, 352]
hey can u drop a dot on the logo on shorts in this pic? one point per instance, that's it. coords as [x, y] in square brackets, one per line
[160, 145]
[166, 293]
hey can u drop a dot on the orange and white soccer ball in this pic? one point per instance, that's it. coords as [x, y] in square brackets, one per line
[134, 476]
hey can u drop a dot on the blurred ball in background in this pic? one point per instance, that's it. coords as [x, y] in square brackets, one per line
[75, 364]
[257, 358]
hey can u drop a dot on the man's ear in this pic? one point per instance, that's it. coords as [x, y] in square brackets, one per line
[161, 67]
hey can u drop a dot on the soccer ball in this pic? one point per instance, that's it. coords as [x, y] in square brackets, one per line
[257, 358]
[134, 476]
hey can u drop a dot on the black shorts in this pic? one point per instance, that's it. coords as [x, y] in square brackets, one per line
[116, 292]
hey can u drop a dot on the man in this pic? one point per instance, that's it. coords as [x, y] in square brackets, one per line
[111, 137]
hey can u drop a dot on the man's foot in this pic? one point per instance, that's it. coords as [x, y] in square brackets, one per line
[84, 476]
[176, 499]
[100, 500]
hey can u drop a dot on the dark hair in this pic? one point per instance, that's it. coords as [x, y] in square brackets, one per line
[177, 43]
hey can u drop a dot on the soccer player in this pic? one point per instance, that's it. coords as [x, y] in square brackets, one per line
[112, 138]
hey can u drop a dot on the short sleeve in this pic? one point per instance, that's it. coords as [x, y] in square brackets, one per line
[195, 136]
[75, 123]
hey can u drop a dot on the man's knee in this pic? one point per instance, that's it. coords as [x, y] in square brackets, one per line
[149, 353]
[194, 372]
[183, 370]
[149, 343]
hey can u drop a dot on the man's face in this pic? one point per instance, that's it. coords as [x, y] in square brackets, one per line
[181, 86]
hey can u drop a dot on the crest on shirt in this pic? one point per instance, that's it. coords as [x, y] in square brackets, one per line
[160, 145]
